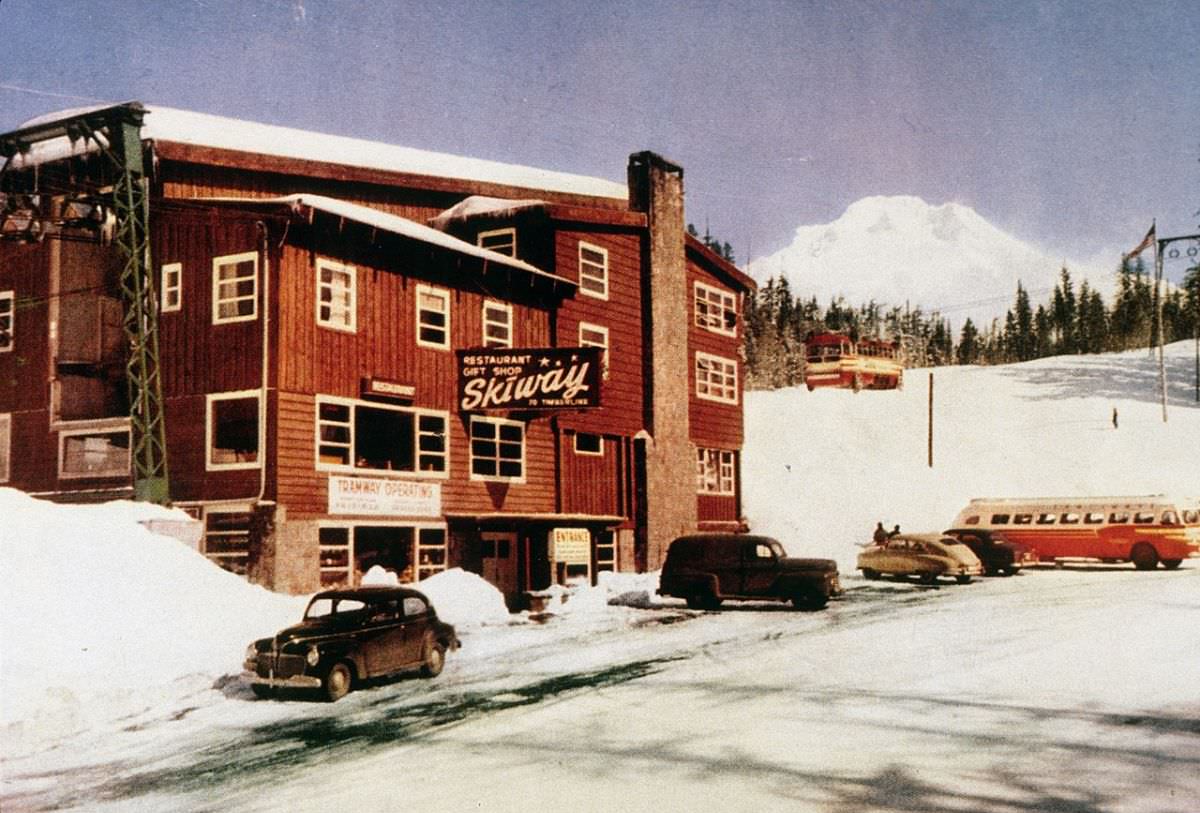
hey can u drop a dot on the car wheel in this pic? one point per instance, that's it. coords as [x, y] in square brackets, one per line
[337, 682]
[433, 658]
[963, 578]
[710, 602]
[928, 578]
[868, 573]
[261, 692]
[695, 601]
[1144, 556]
[810, 600]
[1171, 564]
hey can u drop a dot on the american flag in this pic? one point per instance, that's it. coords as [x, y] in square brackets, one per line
[1147, 241]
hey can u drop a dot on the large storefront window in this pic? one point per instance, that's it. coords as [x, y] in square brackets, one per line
[410, 552]
[374, 437]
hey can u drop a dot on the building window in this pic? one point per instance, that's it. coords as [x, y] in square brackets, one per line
[8, 307]
[501, 241]
[497, 324]
[716, 378]
[497, 449]
[5, 447]
[431, 552]
[334, 556]
[606, 551]
[235, 288]
[593, 270]
[433, 317]
[172, 287]
[589, 444]
[227, 539]
[233, 430]
[716, 309]
[361, 436]
[595, 336]
[93, 452]
[336, 296]
[714, 471]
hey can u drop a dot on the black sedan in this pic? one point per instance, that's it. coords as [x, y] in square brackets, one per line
[349, 636]
[1000, 556]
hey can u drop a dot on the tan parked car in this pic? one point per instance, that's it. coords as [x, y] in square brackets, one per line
[926, 556]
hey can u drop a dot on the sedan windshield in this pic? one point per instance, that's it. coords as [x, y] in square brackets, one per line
[324, 607]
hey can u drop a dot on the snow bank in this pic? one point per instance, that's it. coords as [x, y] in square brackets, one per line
[100, 614]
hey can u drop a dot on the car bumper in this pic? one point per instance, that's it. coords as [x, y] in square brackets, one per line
[294, 682]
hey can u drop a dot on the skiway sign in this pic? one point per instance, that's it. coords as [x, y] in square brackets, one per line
[545, 378]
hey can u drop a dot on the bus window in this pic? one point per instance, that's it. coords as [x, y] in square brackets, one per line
[1070, 519]
[1168, 518]
[1022, 519]
[1046, 519]
[1143, 518]
[1118, 517]
[1093, 518]
[972, 520]
[999, 519]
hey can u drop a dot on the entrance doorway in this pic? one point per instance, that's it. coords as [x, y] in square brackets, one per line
[498, 555]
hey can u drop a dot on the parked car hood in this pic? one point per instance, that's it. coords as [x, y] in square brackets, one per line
[314, 628]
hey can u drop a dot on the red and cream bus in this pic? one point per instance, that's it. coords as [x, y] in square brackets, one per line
[833, 360]
[1143, 530]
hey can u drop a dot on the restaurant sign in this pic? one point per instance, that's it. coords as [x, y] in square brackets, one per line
[546, 378]
[380, 497]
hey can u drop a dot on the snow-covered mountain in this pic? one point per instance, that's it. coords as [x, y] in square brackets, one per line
[901, 249]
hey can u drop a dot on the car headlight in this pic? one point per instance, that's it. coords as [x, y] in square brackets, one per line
[313, 657]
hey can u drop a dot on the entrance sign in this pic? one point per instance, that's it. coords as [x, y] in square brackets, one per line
[571, 545]
[547, 378]
[378, 497]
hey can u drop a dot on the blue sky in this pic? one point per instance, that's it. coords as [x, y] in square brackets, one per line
[1069, 124]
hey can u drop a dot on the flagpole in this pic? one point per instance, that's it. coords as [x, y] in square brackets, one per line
[1158, 275]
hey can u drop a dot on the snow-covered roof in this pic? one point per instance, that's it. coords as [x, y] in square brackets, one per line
[394, 224]
[205, 130]
[481, 206]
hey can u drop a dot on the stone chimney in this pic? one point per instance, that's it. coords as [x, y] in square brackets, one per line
[656, 188]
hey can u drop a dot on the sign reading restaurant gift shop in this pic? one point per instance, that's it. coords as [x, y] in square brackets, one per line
[377, 496]
[546, 378]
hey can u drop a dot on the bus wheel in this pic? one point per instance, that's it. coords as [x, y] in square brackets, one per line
[868, 573]
[1144, 556]
[1171, 564]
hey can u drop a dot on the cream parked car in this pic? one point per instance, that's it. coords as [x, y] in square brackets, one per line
[926, 556]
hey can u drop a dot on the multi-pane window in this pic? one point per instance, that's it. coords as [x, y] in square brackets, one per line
[336, 292]
[431, 552]
[715, 309]
[595, 336]
[8, 307]
[5, 447]
[433, 317]
[714, 471]
[593, 270]
[497, 324]
[381, 438]
[606, 551]
[233, 430]
[93, 453]
[235, 288]
[172, 287]
[716, 378]
[334, 556]
[502, 241]
[227, 539]
[497, 449]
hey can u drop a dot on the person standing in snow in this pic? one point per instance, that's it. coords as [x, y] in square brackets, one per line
[1114, 417]
[880, 534]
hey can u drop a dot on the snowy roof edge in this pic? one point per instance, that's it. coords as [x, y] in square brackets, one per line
[220, 132]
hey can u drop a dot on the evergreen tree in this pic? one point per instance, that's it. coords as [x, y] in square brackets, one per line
[969, 349]
[1043, 333]
[1023, 320]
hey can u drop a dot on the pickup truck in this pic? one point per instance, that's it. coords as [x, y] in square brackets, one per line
[706, 569]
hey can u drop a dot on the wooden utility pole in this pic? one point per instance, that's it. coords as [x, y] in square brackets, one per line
[931, 419]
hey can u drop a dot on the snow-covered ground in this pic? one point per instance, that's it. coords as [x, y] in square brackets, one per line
[1059, 690]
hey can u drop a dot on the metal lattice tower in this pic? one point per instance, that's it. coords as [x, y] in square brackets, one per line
[116, 133]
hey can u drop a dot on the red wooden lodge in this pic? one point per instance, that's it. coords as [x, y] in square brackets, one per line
[372, 355]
